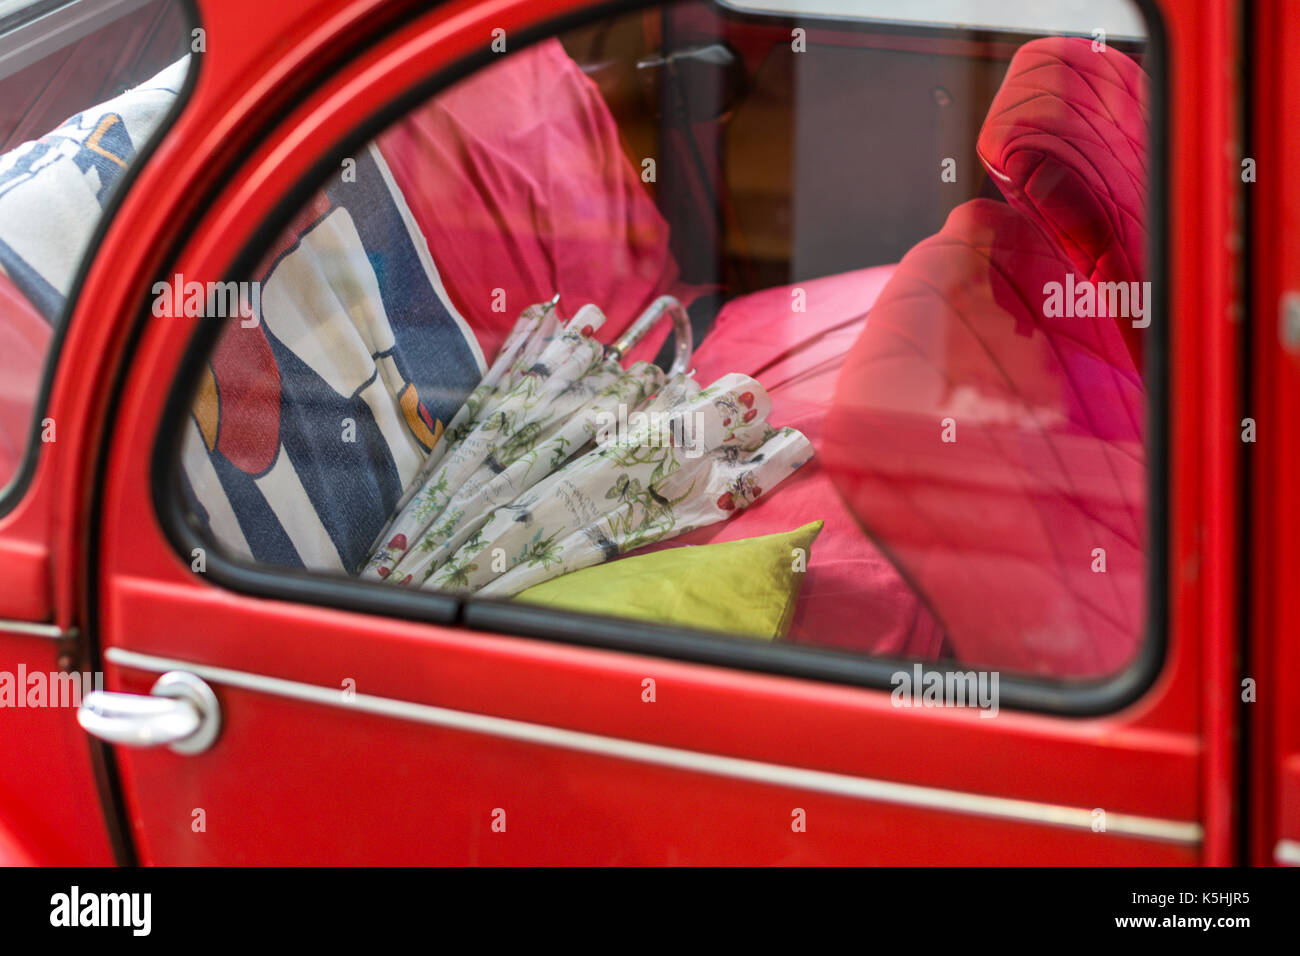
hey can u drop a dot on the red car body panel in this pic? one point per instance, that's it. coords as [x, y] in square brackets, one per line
[1274, 396]
[292, 781]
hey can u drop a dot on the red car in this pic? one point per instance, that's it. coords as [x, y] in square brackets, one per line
[979, 555]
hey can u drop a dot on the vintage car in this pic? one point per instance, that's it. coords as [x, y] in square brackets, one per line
[703, 432]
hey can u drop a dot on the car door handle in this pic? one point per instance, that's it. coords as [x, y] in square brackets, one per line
[180, 711]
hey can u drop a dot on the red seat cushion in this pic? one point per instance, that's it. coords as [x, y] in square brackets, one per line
[998, 530]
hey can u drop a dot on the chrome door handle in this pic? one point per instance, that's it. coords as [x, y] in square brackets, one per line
[180, 711]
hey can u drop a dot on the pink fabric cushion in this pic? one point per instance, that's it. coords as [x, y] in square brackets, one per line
[853, 597]
[517, 178]
[24, 340]
[999, 529]
[1065, 139]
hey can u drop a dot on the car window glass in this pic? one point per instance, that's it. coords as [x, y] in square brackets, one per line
[83, 89]
[826, 333]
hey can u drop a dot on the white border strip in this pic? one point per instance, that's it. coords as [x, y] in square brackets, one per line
[798, 778]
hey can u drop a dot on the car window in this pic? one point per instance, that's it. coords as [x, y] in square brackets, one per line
[827, 335]
[84, 87]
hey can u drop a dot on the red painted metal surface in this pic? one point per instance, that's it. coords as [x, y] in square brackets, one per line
[300, 782]
[1274, 402]
[49, 808]
[1205, 322]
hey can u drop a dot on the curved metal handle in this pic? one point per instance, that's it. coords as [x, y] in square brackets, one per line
[180, 711]
[647, 320]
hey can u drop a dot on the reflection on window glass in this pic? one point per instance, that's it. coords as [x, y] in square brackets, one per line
[78, 98]
[812, 334]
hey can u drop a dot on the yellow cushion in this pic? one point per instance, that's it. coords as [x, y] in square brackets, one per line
[744, 587]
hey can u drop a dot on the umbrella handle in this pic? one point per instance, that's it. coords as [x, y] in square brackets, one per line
[665, 304]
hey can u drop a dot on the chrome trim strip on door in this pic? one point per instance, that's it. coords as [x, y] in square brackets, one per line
[798, 778]
[34, 629]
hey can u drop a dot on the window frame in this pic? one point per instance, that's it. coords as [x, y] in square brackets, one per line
[498, 616]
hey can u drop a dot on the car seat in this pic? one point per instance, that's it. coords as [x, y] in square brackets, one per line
[992, 448]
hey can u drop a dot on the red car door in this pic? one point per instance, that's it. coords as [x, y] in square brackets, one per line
[360, 724]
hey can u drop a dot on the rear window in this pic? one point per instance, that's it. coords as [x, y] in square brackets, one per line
[84, 89]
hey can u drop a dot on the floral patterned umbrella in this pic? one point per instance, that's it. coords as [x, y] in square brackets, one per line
[561, 459]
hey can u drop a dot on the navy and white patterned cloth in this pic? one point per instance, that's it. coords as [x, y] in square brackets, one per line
[53, 189]
[310, 423]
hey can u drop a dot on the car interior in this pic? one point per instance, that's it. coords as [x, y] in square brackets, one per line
[906, 260]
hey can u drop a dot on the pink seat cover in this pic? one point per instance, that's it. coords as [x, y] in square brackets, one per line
[998, 529]
[24, 339]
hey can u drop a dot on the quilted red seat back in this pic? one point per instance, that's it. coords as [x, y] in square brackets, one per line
[992, 448]
[1065, 140]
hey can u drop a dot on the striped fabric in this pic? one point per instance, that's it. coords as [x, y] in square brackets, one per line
[308, 424]
[307, 427]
